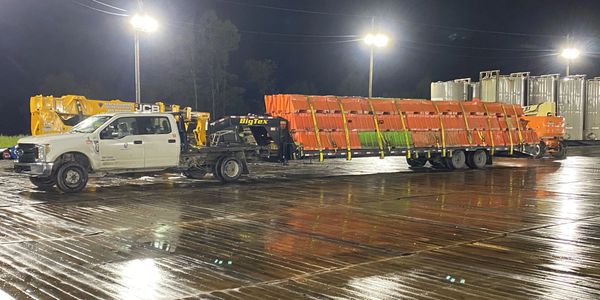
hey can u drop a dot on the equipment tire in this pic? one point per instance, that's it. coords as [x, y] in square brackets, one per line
[561, 151]
[43, 183]
[477, 159]
[230, 169]
[71, 177]
[457, 161]
[416, 162]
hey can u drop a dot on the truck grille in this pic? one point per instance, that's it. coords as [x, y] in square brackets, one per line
[27, 153]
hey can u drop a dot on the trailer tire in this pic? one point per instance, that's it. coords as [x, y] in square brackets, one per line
[230, 169]
[71, 177]
[561, 151]
[43, 183]
[457, 161]
[416, 162]
[539, 150]
[195, 173]
[477, 159]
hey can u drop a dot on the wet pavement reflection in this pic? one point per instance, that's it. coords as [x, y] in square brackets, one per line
[366, 229]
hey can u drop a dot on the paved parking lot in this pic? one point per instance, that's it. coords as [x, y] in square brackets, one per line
[367, 229]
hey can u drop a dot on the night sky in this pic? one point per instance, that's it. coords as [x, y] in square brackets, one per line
[310, 41]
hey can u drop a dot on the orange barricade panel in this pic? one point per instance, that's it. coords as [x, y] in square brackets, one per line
[464, 123]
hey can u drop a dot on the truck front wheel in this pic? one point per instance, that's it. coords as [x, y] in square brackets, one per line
[71, 177]
[230, 169]
[43, 183]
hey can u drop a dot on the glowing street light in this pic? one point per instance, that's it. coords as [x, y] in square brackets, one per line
[147, 24]
[570, 54]
[377, 40]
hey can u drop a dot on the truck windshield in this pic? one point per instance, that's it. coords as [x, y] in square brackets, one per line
[90, 124]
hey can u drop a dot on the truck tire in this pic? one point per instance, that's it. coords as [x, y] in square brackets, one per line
[217, 169]
[43, 183]
[561, 151]
[230, 169]
[477, 159]
[457, 161]
[416, 162]
[71, 177]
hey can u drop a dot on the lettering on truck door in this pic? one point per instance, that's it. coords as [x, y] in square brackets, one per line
[121, 145]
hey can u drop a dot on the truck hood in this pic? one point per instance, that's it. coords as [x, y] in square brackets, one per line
[53, 138]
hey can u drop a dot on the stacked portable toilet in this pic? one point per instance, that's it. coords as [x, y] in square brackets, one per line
[575, 98]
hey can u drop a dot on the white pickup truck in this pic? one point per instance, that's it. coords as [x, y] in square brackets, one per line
[126, 143]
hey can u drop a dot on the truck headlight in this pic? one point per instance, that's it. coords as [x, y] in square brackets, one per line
[43, 151]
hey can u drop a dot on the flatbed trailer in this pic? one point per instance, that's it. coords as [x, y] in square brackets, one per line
[460, 135]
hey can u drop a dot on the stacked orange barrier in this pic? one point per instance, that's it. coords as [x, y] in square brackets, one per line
[335, 123]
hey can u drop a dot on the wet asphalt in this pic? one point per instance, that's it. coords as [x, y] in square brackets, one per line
[366, 229]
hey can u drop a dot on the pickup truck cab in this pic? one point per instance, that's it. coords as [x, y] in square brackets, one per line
[101, 144]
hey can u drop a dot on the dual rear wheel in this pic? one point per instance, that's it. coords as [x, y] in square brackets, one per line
[460, 159]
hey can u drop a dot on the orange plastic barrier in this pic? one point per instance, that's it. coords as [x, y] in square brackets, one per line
[428, 124]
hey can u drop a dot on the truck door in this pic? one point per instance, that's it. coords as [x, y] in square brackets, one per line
[161, 143]
[121, 145]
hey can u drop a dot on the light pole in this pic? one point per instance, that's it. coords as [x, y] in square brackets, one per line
[140, 23]
[378, 40]
[570, 54]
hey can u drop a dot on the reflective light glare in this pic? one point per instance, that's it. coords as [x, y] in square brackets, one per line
[570, 53]
[377, 40]
[144, 23]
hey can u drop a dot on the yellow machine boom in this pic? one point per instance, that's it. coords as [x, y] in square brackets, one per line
[58, 114]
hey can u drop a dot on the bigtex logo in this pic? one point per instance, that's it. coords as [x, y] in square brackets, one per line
[251, 122]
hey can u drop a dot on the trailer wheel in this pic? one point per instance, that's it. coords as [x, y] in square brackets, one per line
[477, 159]
[230, 169]
[416, 162]
[539, 150]
[195, 173]
[457, 161]
[43, 183]
[71, 177]
[438, 162]
[561, 151]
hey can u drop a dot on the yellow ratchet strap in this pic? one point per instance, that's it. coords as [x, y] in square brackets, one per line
[441, 128]
[316, 126]
[487, 113]
[518, 125]
[379, 138]
[509, 125]
[346, 131]
[399, 111]
[469, 134]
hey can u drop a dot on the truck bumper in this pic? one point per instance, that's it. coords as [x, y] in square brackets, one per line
[35, 169]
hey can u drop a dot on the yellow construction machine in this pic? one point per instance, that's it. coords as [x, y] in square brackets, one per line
[58, 114]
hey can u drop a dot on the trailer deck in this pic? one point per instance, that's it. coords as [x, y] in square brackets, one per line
[522, 229]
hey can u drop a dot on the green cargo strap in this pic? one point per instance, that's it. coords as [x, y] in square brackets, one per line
[510, 152]
[379, 138]
[518, 125]
[399, 111]
[316, 126]
[346, 131]
[487, 113]
[469, 134]
[441, 128]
